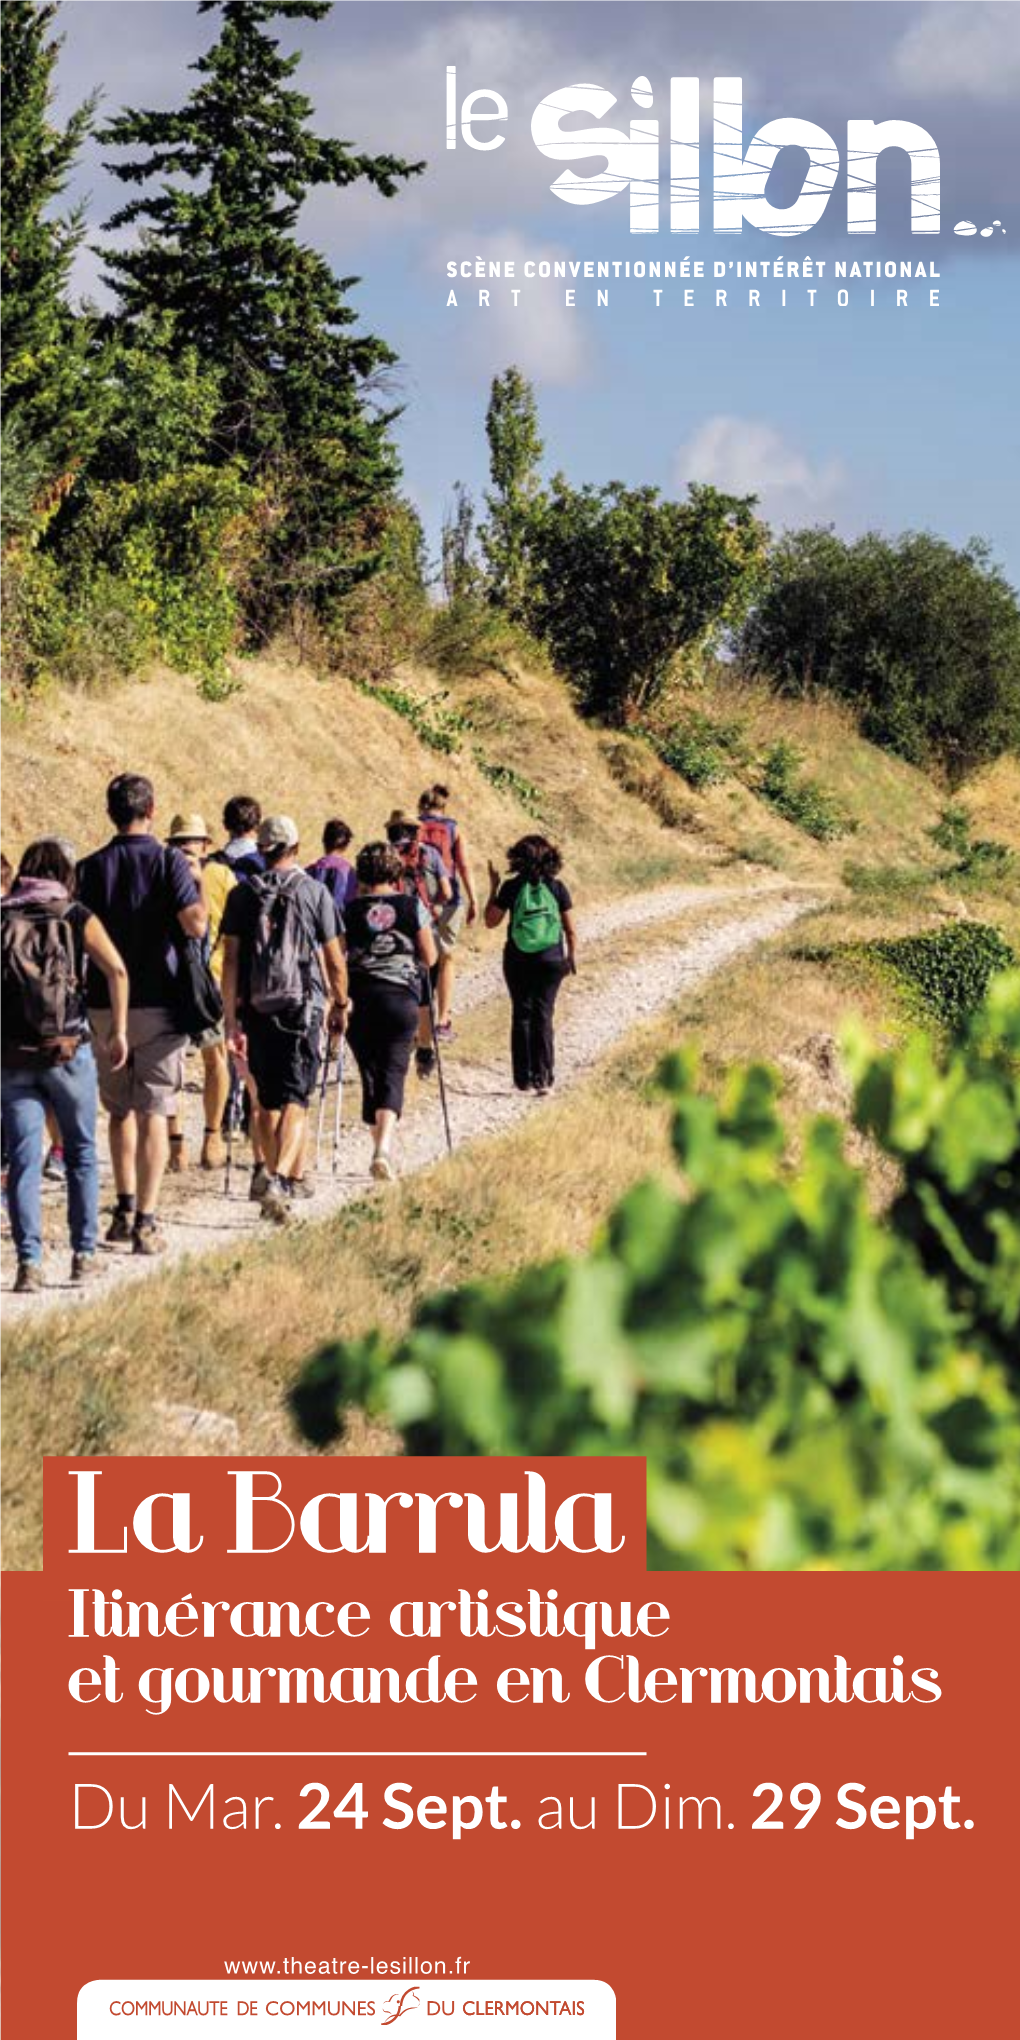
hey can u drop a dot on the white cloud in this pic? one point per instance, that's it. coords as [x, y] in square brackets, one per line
[541, 333]
[747, 456]
[961, 49]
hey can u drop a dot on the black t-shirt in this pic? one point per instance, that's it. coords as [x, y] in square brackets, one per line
[322, 919]
[76, 916]
[382, 940]
[137, 888]
[507, 899]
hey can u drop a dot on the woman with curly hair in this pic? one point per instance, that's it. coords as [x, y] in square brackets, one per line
[389, 944]
[541, 949]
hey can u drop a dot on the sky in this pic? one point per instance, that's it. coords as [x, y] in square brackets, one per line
[885, 417]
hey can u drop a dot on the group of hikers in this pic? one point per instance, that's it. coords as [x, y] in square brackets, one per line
[114, 963]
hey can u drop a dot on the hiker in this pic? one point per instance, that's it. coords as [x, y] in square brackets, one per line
[388, 947]
[149, 903]
[48, 1063]
[283, 962]
[425, 881]
[238, 859]
[445, 835]
[333, 869]
[189, 835]
[541, 949]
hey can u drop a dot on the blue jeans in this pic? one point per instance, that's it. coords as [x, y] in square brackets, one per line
[70, 1091]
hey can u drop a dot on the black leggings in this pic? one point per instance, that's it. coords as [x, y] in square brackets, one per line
[384, 1022]
[533, 983]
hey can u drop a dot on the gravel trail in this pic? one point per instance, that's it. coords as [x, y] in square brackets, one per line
[592, 1019]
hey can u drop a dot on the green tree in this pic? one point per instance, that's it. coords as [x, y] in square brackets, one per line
[45, 347]
[515, 449]
[225, 176]
[920, 637]
[459, 570]
[621, 581]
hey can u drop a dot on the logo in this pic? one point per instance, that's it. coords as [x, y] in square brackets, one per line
[398, 2004]
[380, 916]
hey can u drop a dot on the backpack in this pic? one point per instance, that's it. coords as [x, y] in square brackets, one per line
[41, 982]
[281, 974]
[440, 833]
[536, 922]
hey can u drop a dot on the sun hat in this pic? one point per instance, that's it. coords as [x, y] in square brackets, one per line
[277, 832]
[188, 829]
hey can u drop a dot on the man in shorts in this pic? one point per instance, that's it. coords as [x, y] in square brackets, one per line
[146, 898]
[284, 990]
[438, 828]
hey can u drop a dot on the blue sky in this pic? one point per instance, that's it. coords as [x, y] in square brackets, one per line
[885, 417]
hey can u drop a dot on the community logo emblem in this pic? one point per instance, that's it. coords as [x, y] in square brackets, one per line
[381, 915]
[398, 2004]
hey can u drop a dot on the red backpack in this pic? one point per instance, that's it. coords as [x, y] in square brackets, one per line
[440, 833]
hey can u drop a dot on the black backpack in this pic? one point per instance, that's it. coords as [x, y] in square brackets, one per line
[282, 966]
[42, 990]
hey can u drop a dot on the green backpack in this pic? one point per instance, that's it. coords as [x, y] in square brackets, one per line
[536, 922]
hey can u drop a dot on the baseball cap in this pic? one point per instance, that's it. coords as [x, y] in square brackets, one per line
[277, 832]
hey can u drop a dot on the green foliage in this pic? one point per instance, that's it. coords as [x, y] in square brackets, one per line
[46, 387]
[468, 637]
[921, 638]
[439, 726]
[809, 1384]
[944, 971]
[384, 620]
[225, 178]
[981, 858]
[804, 802]
[700, 748]
[508, 781]
[515, 449]
[620, 582]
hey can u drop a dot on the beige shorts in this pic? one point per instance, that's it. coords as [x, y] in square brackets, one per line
[152, 1077]
[447, 928]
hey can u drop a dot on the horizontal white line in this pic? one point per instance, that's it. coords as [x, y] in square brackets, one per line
[357, 1753]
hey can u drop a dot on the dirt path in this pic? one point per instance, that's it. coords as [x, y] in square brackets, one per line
[593, 1018]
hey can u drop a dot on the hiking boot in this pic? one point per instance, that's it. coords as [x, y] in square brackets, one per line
[382, 1169]
[277, 1204]
[29, 1278]
[54, 1168]
[148, 1239]
[214, 1152]
[83, 1267]
[259, 1184]
[302, 1188]
[120, 1231]
[179, 1156]
[425, 1061]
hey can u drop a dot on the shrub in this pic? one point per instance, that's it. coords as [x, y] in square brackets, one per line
[808, 1384]
[921, 638]
[439, 726]
[945, 971]
[977, 858]
[804, 802]
[693, 749]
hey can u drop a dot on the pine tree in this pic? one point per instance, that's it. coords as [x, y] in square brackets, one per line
[515, 449]
[220, 254]
[45, 346]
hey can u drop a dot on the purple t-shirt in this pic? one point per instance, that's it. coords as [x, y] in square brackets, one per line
[337, 875]
[137, 888]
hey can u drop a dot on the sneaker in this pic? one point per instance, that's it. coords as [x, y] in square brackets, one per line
[277, 1204]
[54, 1167]
[302, 1188]
[148, 1239]
[382, 1169]
[120, 1231]
[29, 1278]
[214, 1152]
[424, 1061]
[179, 1156]
[259, 1184]
[83, 1267]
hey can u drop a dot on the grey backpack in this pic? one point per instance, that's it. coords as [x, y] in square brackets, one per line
[282, 973]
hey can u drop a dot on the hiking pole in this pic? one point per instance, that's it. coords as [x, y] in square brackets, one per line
[322, 1102]
[339, 1105]
[233, 1121]
[439, 1063]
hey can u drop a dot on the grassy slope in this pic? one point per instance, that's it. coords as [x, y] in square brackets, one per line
[232, 1340]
